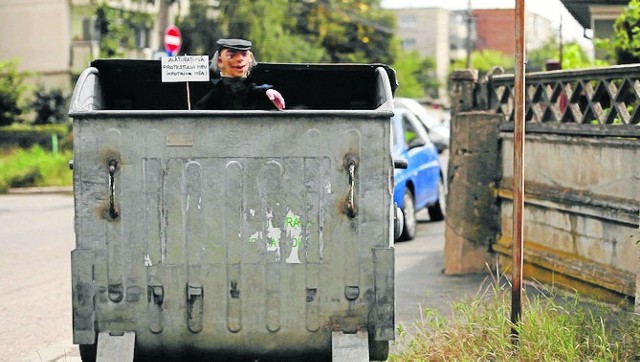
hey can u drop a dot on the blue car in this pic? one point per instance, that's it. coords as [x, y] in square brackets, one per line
[421, 184]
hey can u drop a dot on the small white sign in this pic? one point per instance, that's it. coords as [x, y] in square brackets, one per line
[187, 68]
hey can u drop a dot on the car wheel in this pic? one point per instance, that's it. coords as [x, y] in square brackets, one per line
[410, 222]
[436, 211]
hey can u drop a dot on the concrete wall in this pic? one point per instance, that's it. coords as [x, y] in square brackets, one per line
[495, 30]
[580, 216]
[472, 220]
[581, 194]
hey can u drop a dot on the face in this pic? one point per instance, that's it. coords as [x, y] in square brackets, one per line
[234, 63]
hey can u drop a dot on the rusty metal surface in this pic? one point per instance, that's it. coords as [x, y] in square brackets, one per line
[518, 169]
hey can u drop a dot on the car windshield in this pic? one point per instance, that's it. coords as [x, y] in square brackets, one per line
[411, 128]
[416, 108]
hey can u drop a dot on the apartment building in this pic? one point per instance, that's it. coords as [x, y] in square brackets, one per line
[37, 32]
[55, 39]
[495, 30]
[426, 30]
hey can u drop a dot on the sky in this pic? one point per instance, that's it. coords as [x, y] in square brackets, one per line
[551, 9]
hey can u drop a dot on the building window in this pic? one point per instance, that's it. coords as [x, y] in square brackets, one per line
[407, 22]
[142, 37]
[603, 28]
[88, 26]
[408, 44]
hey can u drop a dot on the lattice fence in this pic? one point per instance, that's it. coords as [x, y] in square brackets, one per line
[603, 96]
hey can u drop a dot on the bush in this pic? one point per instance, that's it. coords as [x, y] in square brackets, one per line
[626, 42]
[34, 167]
[50, 106]
[12, 89]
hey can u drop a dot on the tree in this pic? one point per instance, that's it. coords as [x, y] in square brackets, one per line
[12, 89]
[414, 75]
[200, 30]
[626, 41]
[573, 56]
[295, 31]
[270, 24]
[484, 60]
[117, 29]
[350, 30]
[50, 106]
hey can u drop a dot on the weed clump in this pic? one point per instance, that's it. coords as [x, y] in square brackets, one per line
[554, 326]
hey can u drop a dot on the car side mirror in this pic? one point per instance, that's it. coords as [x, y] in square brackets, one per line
[400, 163]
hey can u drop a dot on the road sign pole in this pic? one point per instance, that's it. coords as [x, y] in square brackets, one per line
[518, 172]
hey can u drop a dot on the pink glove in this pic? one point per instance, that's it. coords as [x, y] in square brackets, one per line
[276, 98]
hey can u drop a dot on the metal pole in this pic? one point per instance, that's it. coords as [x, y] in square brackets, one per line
[518, 171]
[561, 45]
[469, 23]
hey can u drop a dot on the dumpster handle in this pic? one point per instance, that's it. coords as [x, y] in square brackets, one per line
[351, 207]
[113, 212]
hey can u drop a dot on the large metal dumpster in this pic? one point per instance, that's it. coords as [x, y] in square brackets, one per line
[259, 234]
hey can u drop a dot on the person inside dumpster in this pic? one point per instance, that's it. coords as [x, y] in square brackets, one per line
[233, 88]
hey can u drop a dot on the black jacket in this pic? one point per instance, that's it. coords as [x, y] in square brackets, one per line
[236, 93]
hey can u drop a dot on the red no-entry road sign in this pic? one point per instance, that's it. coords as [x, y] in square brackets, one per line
[172, 40]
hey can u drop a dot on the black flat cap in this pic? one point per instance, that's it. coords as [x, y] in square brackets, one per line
[235, 44]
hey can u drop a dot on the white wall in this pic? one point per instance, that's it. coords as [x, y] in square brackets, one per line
[38, 33]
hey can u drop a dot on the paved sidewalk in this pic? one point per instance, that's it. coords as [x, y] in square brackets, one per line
[420, 283]
[41, 190]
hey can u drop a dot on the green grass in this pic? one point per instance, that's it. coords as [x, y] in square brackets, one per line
[553, 327]
[34, 167]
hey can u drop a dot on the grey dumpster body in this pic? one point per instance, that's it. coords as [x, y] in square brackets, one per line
[233, 233]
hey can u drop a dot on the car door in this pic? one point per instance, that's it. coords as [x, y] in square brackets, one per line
[422, 157]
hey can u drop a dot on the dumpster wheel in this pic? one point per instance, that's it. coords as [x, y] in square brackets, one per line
[88, 352]
[378, 350]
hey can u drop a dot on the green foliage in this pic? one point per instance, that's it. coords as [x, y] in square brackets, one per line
[270, 26]
[51, 106]
[414, 75]
[605, 46]
[484, 60]
[573, 56]
[12, 89]
[117, 29]
[295, 31]
[199, 30]
[537, 58]
[626, 42]
[553, 327]
[350, 30]
[34, 167]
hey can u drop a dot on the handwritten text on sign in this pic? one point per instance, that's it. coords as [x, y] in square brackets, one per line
[185, 68]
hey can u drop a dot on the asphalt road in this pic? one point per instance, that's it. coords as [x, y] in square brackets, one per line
[36, 238]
